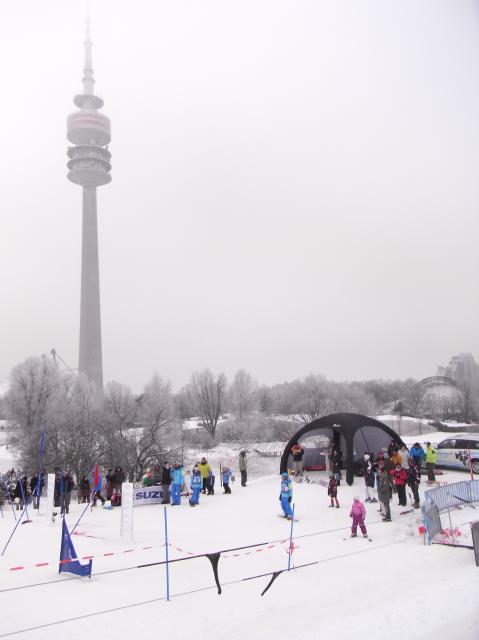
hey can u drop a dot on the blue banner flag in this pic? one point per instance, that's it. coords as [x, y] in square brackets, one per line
[67, 552]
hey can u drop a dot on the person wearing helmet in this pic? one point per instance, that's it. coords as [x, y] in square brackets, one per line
[286, 495]
[196, 483]
[206, 474]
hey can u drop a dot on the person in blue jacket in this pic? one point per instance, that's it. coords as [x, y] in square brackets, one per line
[286, 495]
[226, 476]
[418, 453]
[196, 484]
[177, 481]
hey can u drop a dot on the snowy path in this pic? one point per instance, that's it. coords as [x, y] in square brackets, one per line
[373, 587]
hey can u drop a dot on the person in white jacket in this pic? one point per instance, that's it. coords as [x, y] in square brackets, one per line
[405, 455]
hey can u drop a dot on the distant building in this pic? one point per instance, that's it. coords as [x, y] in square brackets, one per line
[462, 368]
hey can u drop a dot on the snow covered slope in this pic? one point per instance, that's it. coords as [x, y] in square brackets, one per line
[391, 587]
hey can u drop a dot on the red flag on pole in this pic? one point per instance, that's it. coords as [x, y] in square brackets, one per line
[96, 475]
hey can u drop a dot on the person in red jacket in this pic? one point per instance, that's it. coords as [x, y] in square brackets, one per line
[400, 476]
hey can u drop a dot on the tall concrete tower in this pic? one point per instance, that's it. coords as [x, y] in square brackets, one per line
[89, 166]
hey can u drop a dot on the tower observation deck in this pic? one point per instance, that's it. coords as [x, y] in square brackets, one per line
[89, 166]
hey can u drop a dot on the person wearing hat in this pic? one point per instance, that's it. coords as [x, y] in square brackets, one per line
[177, 481]
[333, 490]
[243, 467]
[196, 483]
[286, 495]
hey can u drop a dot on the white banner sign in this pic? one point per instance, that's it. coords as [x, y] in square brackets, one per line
[50, 497]
[126, 531]
[147, 495]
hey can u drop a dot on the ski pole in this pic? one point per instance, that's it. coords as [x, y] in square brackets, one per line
[290, 550]
[166, 556]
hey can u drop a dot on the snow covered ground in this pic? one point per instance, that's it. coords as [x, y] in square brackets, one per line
[392, 587]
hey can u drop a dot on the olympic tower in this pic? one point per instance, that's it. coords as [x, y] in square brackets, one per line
[89, 166]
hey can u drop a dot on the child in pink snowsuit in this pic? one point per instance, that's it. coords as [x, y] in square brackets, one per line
[358, 513]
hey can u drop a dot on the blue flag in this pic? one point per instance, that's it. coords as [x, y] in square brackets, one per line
[67, 552]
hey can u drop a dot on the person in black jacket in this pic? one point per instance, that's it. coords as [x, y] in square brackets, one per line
[118, 479]
[413, 480]
[21, 492]
[165, 482]
[63, 491]
[36, 488]
[84, 490]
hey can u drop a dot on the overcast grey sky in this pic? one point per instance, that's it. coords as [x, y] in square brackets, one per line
[295, 185]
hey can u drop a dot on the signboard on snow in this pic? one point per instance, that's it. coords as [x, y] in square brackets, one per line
[147, 495]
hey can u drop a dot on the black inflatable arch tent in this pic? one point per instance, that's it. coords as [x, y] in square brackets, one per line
[351, 433]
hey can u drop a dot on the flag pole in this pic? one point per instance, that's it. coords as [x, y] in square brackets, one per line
[83, 513]
[166, 555]
[14, 529]
[24, 498]
[38, 488]
[290, 550]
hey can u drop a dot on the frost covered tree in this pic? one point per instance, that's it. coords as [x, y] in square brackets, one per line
[242, 401]
[209, 395]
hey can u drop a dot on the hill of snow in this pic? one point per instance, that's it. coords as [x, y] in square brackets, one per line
[392, 587]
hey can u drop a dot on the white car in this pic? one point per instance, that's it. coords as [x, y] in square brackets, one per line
[454, 452]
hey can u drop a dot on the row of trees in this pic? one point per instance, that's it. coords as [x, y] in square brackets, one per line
[117, 427]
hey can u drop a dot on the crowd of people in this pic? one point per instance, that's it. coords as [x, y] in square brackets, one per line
[174, 480]
[385, 475]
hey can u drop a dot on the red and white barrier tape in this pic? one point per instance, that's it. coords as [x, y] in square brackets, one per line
[109, 554]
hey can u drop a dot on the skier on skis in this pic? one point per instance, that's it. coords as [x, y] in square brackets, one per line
[196, 484]
[286, 495]
[358, 514]
[333, 490]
